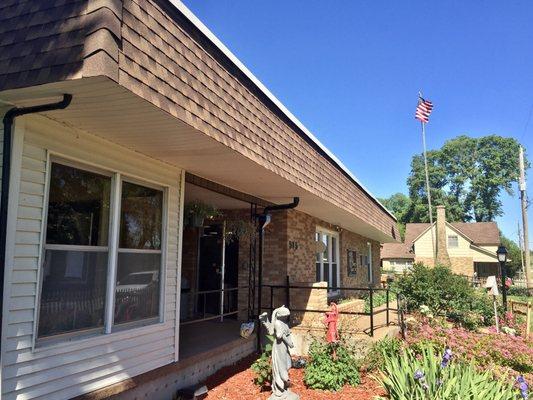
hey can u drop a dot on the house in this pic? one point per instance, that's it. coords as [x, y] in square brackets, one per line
[468, 247]
[117, 117]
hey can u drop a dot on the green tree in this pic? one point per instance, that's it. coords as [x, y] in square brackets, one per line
[514, 259]
[467, 175]
[398, 204]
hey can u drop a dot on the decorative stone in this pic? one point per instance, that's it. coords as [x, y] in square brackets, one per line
[281, 358]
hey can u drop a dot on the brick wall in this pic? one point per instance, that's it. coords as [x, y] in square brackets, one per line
[462, 265]
[459, 265]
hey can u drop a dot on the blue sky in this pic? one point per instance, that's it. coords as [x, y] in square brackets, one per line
[351, 70]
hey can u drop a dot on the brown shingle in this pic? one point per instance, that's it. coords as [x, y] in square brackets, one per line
[481, 233]
[396, 250]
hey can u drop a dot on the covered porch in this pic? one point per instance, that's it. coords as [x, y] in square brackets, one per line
[219, 256]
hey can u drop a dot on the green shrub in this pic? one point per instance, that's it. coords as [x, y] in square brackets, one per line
[326, 373]
[263, 367]
[446, 294]
[409, 377]
[376, 355]
[378, 299]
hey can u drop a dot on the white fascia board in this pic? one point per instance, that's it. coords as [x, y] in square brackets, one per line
[211, 36]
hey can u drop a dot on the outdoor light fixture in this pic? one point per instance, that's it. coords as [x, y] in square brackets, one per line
[502, 254]
[502, 258]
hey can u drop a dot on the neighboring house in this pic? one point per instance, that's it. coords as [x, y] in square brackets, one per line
[469, 247]
[110, 290]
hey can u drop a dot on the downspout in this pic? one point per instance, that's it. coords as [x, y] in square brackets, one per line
[9, 118]
[264, 220]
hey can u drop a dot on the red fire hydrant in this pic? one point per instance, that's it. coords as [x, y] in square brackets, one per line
[331, 320]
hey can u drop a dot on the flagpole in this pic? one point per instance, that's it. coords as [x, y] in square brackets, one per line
[428, 192]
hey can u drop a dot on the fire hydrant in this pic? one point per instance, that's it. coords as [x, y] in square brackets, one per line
[331, 320]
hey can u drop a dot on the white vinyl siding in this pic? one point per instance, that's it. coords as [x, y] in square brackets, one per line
[67, 369]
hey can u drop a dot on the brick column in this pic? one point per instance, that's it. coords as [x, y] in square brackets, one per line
[442, 246]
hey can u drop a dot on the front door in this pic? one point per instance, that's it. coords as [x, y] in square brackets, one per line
[210, 269]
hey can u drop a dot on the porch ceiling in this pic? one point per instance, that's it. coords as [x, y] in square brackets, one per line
[106, 109]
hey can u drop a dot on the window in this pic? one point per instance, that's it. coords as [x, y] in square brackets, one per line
[453, 241]
[139, 253]
[368, 263]
[327, 259]
[400, 265]
[78, 262]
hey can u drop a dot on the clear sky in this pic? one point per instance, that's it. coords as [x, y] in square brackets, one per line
[350, 70]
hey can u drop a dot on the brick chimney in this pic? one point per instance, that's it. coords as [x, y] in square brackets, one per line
[442, 241]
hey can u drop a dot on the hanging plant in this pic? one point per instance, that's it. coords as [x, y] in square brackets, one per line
[196, 212]
[239, 228]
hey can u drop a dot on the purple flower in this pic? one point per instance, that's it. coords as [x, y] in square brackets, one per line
[446, 357]
[419, 374]
[523, 386]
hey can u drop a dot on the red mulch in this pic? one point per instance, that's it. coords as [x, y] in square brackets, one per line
[236, 382]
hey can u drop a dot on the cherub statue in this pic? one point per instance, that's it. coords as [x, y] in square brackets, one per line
[281, 358]
[331, 320]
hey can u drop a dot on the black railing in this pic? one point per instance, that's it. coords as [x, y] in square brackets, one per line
[205, 309]
[362, 293]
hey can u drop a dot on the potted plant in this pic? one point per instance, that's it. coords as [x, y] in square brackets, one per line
[239, 228]
[196, 212]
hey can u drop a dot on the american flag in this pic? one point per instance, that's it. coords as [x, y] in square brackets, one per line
[423, 109]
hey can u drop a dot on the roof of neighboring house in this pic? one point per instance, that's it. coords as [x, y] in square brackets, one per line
[481, 233]
[396, 250]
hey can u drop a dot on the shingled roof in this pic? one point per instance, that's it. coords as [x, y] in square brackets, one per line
[396, 250]
[481, 233]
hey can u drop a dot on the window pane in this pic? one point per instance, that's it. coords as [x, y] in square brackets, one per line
[140, 217]
[334, 275]
[318, 255]
[326, 274]
[325, 255]
[73, 293]
[78, 207]
[137, 289]
[333, 249]
[318, 272]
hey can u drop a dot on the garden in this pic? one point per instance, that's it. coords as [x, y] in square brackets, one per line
[451, 349]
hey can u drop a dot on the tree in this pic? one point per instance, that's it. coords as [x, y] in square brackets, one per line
[398, 204]
[514, 257]
[467, 175]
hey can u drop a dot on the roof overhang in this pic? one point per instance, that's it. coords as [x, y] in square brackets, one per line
[106, 109]
[211, 37]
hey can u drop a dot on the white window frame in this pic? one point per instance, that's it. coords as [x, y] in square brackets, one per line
[330, 234]
[456, 238]
[117, 178]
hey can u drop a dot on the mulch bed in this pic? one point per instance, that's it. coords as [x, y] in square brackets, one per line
[236, 382]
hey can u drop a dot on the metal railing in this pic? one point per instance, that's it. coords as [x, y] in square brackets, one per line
[370, 291]
[223, 304]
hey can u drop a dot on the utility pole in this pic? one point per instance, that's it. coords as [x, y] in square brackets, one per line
[523, 201]
[521, 246]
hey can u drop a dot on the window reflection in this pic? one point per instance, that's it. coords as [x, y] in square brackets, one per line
[141, 217]
[73, 292]
[78, 207]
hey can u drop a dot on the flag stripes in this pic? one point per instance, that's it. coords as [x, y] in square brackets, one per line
[423, 109]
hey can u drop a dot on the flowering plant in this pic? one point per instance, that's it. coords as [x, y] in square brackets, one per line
[414, 376]
[504, 354]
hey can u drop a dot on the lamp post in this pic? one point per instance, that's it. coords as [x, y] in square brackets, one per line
[502, 258]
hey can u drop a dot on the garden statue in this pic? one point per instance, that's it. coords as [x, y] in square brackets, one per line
[281, 358]
[331, 320]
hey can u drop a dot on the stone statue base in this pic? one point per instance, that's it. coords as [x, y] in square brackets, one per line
[286, 395]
